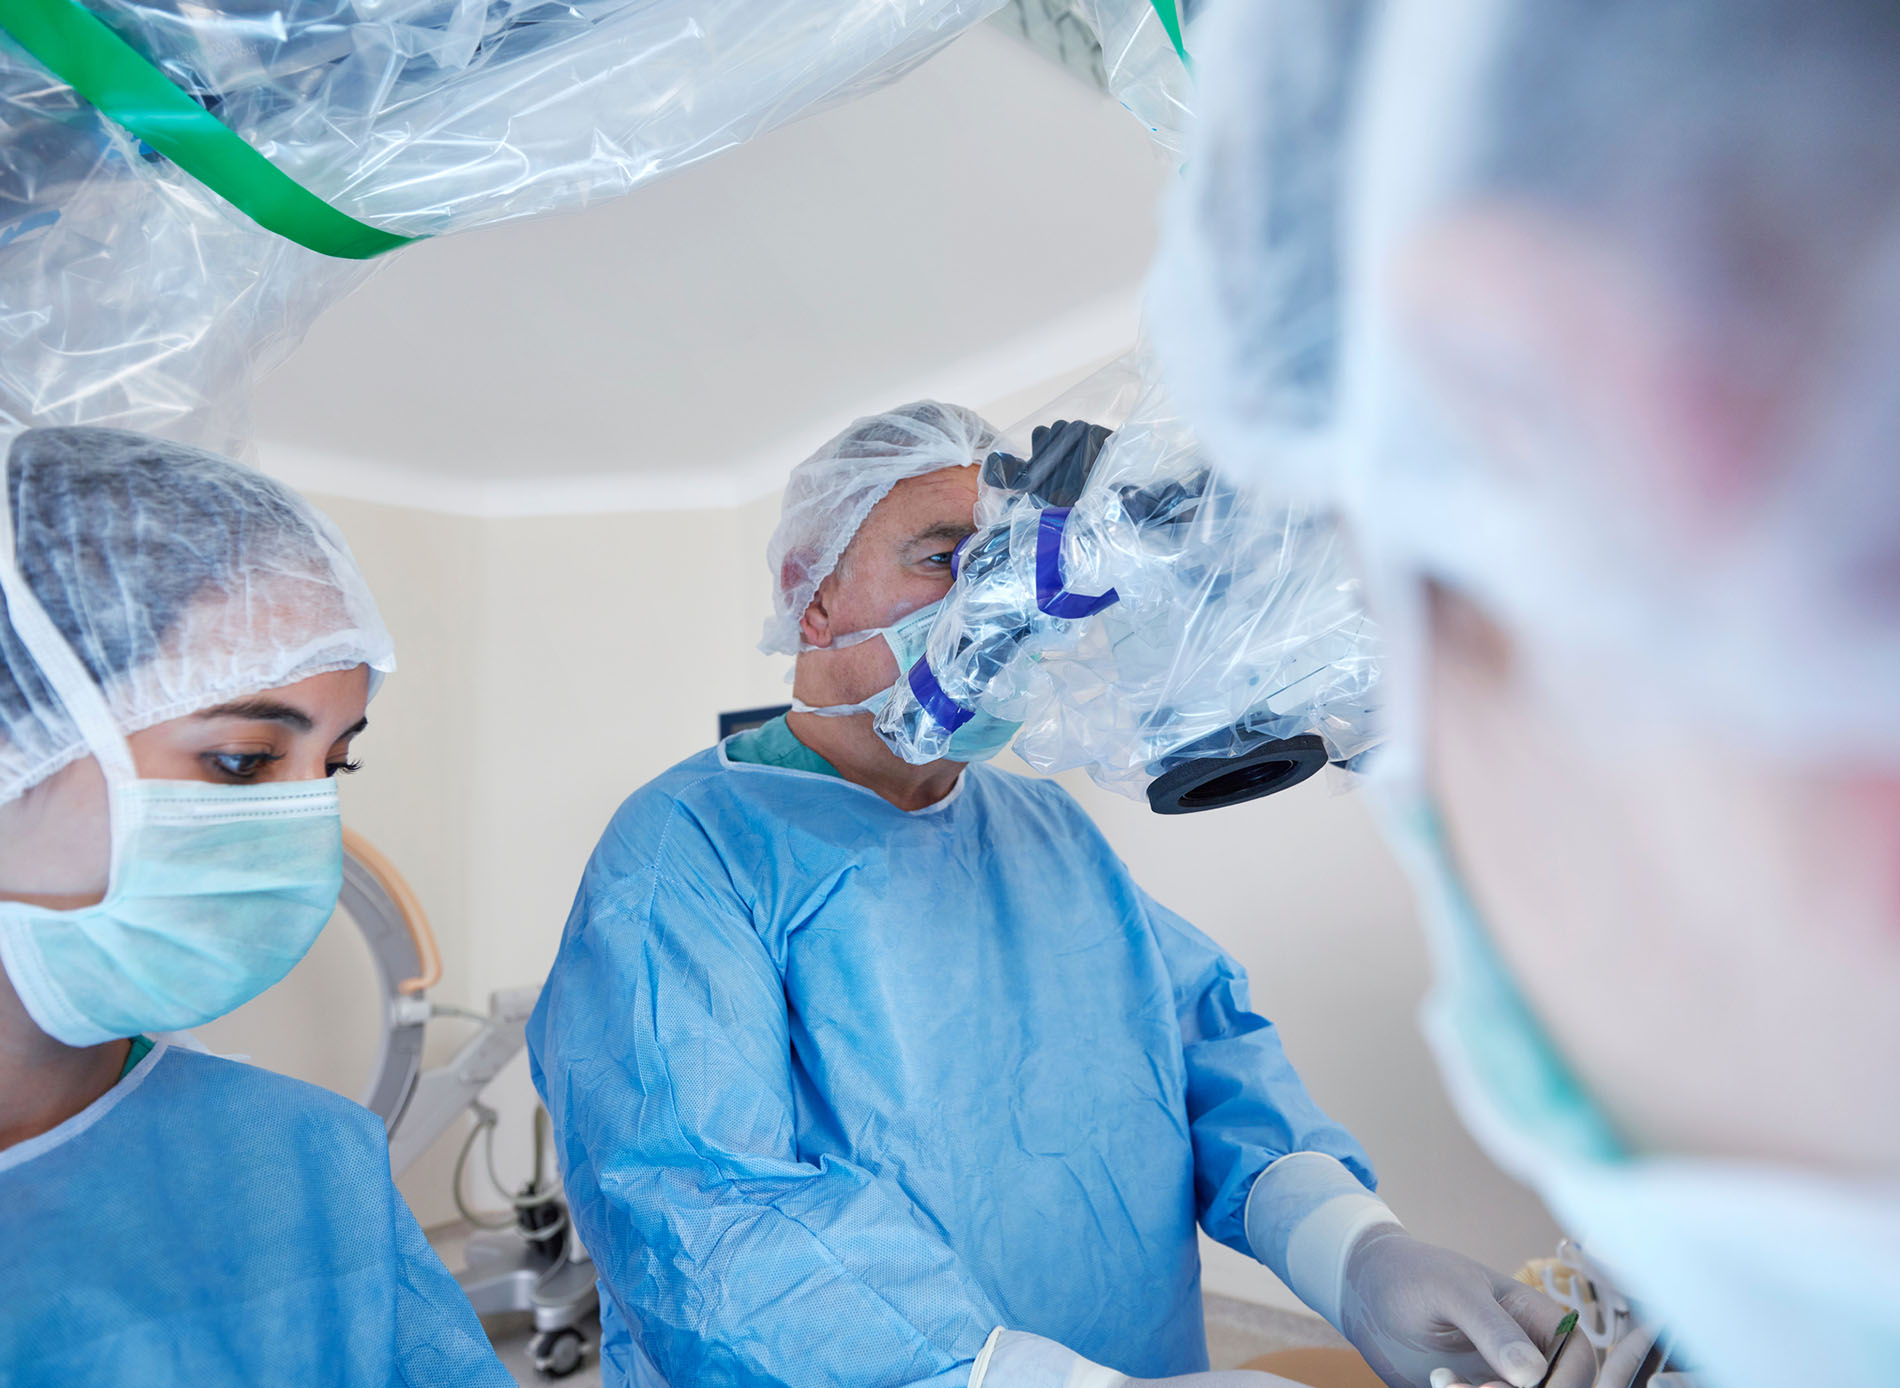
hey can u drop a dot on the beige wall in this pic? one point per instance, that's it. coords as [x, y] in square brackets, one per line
[549, 666]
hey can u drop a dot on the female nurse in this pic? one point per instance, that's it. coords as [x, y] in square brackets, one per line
[186, 654]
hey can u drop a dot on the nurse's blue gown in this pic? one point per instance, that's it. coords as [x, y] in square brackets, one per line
[840, 1088]
[207, 1224]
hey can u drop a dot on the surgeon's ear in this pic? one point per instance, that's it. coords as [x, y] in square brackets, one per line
[1566, 357]
[815, 625]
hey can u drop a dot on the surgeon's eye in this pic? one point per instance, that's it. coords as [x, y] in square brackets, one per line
[240, 766]
[941, 561]
[343, 768]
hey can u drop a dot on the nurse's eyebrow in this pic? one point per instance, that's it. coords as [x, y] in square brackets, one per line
[262, 710]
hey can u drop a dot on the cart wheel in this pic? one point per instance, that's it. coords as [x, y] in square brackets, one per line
[557, 1353]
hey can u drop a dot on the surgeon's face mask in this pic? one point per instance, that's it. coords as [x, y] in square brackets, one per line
[215, 890]
[979, 739]
[1768, 1276]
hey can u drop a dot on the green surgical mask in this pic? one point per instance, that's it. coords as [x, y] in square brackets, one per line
[217, 891]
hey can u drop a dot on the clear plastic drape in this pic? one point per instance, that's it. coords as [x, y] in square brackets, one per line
[136, 297]
[1133, 610]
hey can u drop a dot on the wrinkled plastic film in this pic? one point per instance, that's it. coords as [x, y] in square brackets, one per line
[1186, 620]
[426, 116]
[1236, 620]
[137, 297]
[1143, 70]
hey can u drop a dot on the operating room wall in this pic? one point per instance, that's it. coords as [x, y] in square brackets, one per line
[550, 665]
[547, 667]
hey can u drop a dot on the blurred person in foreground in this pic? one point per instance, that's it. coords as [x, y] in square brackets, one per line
[1587, 317]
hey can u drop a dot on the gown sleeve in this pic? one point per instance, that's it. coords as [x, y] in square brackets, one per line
[662, 1048]
[1247, 1106]
[439, 1339]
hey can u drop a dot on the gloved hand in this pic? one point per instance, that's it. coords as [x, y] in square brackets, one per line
[1408, 1307]
[1629, 1364]
[1015, 1359]
[1412, 1308]
[1636, 1362]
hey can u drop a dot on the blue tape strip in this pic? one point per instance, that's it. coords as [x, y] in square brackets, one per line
[956, 555]
[1051, 596]
[948, 713]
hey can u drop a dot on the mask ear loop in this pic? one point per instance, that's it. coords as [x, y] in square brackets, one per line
[83, 701]
[843, 642]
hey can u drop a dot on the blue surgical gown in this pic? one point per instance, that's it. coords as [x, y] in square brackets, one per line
[840, 1088]
[208, 1224]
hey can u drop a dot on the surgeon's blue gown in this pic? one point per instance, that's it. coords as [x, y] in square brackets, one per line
[840, 1088]
[207, 1224]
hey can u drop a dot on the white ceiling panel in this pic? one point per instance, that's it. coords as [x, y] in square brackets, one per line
[987, 217]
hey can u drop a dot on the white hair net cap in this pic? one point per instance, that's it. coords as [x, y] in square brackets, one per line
[831, 492]
[178, 580]
[1742, 158]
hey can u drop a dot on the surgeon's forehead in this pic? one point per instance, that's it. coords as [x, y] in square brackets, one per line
[935, 505]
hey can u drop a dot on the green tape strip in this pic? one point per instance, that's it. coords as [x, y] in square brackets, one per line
[117, 78]
[1171, 21]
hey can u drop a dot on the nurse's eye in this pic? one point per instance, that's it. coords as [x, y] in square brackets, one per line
[240, 766]
[347, 767]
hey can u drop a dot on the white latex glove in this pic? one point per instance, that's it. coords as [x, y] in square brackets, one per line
[1626, 1358]
[1620, 1367]
[1015, 1359]
[1410, 1308]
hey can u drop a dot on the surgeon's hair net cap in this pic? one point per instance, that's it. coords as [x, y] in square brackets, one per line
[831, 493]
[179, 579]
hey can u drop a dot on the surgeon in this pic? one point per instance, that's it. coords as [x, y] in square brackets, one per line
[1588, 316]
[877, 1074]
[186, 654]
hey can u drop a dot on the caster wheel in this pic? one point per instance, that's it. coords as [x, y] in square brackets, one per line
[557, 1353]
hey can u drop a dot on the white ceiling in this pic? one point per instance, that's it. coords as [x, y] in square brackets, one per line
[977, 229]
